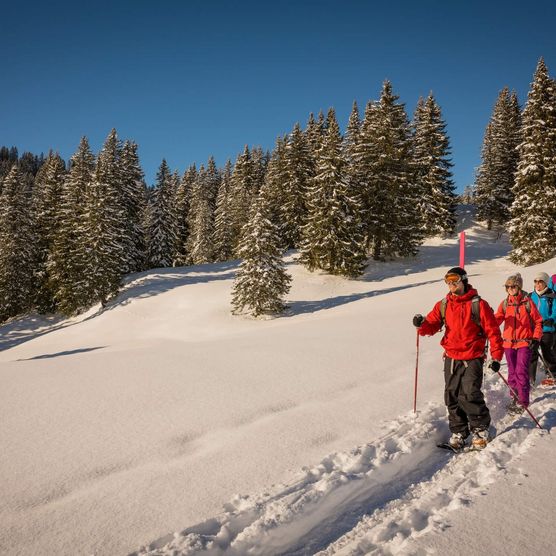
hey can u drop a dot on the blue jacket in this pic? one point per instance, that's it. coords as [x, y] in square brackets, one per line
[546, 304]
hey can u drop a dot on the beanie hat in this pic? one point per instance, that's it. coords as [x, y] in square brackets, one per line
[515, 280]
[460, 272]
[542, 276]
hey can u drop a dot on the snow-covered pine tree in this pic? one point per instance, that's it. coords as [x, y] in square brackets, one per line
[104, 225]
[390, 194]
[223, 238]
[212, 182]
[241, 194]
[333, 238]
[298, 174]
[499, 157]
[182, 203]
[163, 221]
[134, 201]
[276, 176]
[201, 221]
[261, 281]
[432, 164]
[47, 200]
[67, 258]
[17, 246]
[533, 213]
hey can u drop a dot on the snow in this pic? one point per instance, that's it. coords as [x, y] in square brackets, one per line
[164, 425]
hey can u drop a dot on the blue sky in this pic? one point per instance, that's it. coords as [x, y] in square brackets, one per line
[190, 79]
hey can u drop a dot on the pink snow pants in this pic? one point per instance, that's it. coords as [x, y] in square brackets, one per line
[518, 372]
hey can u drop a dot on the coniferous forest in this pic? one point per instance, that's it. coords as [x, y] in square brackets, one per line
[70, 231]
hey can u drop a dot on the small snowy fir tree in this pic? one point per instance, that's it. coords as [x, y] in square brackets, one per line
[432, 164]
[261, 281]
[499, 158]
[533, 213]
[333, 238]
[67, 258]
[17, 246]
[163, 222]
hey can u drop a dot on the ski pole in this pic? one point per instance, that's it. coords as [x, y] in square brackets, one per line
[514, 394]
[416, 374]
[546, 366]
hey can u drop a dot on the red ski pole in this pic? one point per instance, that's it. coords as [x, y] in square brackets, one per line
[514, 394]
[416, 374]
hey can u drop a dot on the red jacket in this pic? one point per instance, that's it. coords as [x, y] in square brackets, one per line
[520, 326]
[463, 339]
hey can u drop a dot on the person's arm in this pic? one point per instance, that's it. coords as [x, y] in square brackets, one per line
[432, 323]
[538, 322]
[500, 315]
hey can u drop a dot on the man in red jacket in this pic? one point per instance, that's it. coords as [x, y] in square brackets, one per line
[469, 322]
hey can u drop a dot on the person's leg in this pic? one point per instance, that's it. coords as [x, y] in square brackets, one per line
[511, 359]
[470, 397]
[533, 366]
[457, 418]
[522, 375]
[547, 350]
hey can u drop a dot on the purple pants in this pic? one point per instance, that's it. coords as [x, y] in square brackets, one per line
[518, 372]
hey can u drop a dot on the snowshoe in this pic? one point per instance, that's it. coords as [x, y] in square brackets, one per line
[479, 439]
[548, 382]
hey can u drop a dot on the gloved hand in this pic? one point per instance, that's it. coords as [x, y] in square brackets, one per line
[418, 320]
[548, 322]
[494, 366]
[534, 345]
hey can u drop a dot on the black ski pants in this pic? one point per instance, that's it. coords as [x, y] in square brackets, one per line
[463, 396]
[547, 350]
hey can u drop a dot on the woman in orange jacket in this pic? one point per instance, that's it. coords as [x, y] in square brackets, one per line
[522, 325]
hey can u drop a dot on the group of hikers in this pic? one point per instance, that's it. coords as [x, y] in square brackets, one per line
[469, 321]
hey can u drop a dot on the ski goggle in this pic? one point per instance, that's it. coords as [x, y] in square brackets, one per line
[453, 279]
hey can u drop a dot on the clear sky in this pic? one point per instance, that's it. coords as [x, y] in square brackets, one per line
[190, 79]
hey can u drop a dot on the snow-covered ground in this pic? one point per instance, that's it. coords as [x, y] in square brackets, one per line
[164, 425]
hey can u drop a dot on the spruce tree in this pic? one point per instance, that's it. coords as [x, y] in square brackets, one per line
[67, 259]
[298, 166]
[223, 238]
[432, 164]
[201, 221]
[384, 166]
[17, 246]
[241, 194]
[499, 157]
[47, 199]
[261, 281]
[333, 238]
[533, 213]
[105, 225]
[163, 222]
[182, 203]
[134, 202]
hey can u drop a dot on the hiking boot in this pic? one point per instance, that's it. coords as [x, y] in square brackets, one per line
[457, 441]
[512, 407]
[479, 439]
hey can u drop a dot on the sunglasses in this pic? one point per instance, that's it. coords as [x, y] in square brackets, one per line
[539, 281]
[511, 286]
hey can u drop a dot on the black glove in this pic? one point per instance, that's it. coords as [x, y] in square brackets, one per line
[534, 345]
[548, 322]
[418, 320]
[494, 365]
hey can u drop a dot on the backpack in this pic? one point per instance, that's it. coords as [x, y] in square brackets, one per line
[475, 311]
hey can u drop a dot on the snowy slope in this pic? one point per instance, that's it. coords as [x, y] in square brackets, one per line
[292, 435]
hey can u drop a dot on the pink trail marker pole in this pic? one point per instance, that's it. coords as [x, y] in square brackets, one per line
[462, 249]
